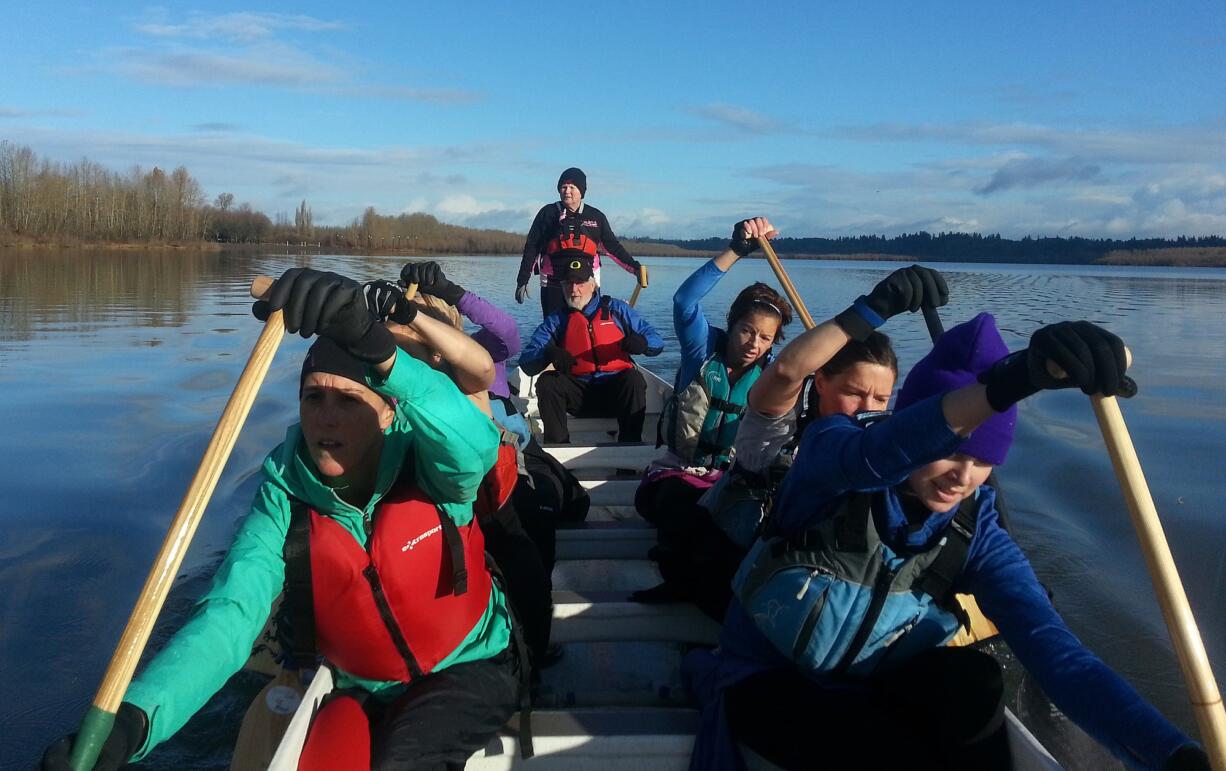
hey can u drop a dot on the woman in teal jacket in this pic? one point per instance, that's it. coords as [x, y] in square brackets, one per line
[374, 421]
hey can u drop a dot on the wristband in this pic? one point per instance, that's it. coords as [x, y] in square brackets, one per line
[859, 320]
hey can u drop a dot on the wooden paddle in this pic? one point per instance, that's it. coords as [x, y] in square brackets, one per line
[1176, 612]
[101, 716]
[788, 286]
[642, 282]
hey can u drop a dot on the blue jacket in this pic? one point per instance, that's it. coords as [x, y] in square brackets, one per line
[533, 359]
[697, 338]
[837, 456]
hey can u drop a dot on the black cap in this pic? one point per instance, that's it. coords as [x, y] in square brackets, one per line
[327, 356]
[576, 265]
[576, 177]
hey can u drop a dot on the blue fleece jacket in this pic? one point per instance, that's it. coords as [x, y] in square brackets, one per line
[838, 456]
[533, 359]
[697, 338]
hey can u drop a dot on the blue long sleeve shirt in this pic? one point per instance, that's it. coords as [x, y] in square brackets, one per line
[697, 338]
[837, 457]
[533, 359]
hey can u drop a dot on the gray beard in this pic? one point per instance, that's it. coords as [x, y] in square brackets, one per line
[576, 304]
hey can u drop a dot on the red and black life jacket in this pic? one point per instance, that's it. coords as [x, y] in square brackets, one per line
[396, 608]
[596, 343]
[499, 482]
[571, 238]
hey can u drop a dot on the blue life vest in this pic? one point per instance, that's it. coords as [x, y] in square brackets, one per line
[701, 419]
[836, 600]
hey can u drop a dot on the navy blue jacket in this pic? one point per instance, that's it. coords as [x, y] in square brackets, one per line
[838, 456]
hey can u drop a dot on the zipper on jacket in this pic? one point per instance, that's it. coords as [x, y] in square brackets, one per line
[591, 336]
[881, 590]
[806, 629]
[389, 621]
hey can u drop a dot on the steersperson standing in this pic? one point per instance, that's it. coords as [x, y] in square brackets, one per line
[568, 223]
[590, 345]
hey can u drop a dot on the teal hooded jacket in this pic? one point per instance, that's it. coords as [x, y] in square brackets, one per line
[452, 445]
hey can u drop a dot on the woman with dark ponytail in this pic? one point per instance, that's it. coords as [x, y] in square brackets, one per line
[699, 423]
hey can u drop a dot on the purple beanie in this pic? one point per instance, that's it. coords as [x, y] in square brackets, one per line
[956, 360]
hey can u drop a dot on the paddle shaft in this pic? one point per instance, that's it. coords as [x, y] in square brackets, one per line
[1176, 612]
[638, 287]
[788, 287]
[98, 721]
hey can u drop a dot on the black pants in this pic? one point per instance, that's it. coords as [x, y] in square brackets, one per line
[526, 569]
[943, 709]
[552, 299]
[444, 717]
[697, 560]
[622, 396]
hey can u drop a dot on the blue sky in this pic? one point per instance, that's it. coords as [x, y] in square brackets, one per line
[1043, 118]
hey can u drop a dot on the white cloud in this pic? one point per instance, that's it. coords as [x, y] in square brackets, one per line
[240, 26]
[269, 64]
[740, 118]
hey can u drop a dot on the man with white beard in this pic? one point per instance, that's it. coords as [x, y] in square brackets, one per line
[590, 344]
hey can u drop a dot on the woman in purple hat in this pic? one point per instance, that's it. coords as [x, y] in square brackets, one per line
[875, 529]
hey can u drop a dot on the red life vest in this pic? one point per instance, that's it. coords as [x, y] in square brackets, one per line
[499, 482]
[572, 239]
[394, 610]
[596, 343]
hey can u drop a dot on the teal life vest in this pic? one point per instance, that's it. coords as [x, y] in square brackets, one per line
[836, 600]
[701, 419]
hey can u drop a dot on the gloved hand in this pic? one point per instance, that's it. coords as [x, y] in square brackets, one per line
[385, 301]
[126, 737]
[742, 243]
[1092, 359]
[430, 280]
[634, 343]
[1189, 757]
[906, 289]
[521, 293]
[560, 357]
[317, 302]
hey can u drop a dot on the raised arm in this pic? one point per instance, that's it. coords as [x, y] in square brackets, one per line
[470, 365]
[906, 289]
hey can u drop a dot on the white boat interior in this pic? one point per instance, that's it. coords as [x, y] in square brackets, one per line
[615, 699]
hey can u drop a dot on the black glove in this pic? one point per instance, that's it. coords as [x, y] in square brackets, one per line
[560, 357]
[316, 302]
[521, 293]
[906, 289]
[741, 243]
[1189, 757]
[430, 280]
[634, 343]
[385, 301]
[1092, 359]
[126, 737]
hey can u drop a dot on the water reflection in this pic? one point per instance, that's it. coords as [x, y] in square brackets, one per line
[114, 368]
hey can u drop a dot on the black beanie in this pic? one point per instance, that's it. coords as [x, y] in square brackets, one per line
[327, 356]
[576, 177]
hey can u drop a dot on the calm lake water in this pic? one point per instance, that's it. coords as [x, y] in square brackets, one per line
[114, 369]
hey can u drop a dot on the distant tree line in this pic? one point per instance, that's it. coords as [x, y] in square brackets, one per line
[84, 201]
[967, 247]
